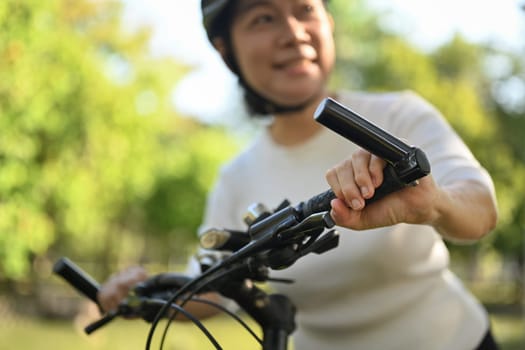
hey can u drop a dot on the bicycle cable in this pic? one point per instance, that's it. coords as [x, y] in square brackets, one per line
[190, 297]
[185, 288]
[231, 314]
[195, 321]
[226, 311]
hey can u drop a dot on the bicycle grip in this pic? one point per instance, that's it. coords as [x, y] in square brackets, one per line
[321, 202]
[409, 163]
[161, 282]
[77, 278]
[354, 127]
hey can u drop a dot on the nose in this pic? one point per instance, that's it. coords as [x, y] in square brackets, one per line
[294, 31]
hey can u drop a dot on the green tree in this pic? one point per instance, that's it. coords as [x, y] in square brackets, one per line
[93, 158]
[507, 90]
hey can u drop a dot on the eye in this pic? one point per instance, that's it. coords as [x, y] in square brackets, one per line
[260, 16]
[308, 10]
[262, 19]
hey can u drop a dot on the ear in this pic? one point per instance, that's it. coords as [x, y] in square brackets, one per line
[220, 46]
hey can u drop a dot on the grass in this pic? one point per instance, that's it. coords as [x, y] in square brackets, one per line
[509, 329]
[120, 334]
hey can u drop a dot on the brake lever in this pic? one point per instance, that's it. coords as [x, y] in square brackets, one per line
[101, 322]
[301, 239]
[124, 310]
[312, 225]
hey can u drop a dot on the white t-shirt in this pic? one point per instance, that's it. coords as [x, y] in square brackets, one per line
[386, 288]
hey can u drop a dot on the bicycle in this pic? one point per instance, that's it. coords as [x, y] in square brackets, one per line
[274, 240]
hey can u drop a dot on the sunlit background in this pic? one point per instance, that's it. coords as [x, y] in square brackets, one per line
[177, 33]
[116, 116]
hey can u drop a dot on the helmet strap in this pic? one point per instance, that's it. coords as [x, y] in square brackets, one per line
[260, 105]
[255, 102]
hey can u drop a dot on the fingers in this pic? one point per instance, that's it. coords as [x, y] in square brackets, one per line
[376, 167]
[117, 287]
[341, 179]
[343, 215]
[355, 179]
[361, 164]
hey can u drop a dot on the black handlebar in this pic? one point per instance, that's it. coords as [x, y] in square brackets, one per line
[409, 163]
[405, 164]
[274, 240]
[77, 278]
[360, 131]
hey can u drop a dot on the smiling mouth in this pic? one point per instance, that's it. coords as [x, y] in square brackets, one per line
[294, 63]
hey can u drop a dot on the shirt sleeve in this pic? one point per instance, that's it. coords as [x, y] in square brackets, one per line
[422, 125]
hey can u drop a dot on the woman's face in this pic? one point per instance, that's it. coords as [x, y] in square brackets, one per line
[284, 48]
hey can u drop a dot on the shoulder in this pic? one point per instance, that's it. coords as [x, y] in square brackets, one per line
[387, 102]
[390, 110]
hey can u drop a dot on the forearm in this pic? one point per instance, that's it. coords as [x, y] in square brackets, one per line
[465, 211]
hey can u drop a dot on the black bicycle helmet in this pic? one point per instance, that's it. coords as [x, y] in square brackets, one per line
[214, 22]
[217, 18]
[211, 10]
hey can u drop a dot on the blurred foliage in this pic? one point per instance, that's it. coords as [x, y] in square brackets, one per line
[93, 159]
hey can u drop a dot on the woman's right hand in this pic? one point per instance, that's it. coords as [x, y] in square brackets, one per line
[117, 287]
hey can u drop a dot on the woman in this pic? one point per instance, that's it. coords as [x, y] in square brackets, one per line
[387, 285]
